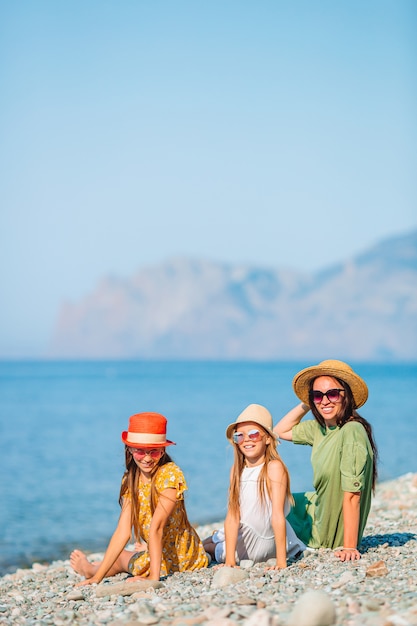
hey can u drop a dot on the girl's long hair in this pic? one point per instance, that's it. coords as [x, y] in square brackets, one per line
[130, 485]
[349, 414]
[271, 454]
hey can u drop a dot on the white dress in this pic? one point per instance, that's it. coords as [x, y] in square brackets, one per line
[256, 540]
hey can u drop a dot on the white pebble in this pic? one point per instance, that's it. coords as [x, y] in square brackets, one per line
[262, 617]
[246, 563]
[314, 608]
[228, 576]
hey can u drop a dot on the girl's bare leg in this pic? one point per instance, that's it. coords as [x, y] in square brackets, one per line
[84, 567]
[209, 546]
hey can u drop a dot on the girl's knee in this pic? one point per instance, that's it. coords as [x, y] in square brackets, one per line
[209, 546]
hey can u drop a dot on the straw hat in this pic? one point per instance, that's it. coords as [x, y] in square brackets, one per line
[337, 369]
[147, 430]
[253, 413]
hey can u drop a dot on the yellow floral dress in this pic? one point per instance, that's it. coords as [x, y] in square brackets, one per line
[182, 549]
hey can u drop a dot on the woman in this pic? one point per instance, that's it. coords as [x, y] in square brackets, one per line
[343, 457]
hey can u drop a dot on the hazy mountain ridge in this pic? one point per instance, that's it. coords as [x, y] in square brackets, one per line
[363, 309]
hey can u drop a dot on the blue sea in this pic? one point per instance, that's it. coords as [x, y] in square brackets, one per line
[61, 456]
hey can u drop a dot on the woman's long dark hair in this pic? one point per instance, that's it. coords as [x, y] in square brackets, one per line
[349, 414]
[130, 484]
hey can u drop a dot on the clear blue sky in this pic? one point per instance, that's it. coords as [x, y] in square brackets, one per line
[280, 134]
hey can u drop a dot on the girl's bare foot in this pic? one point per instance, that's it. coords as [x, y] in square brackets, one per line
[81, 564]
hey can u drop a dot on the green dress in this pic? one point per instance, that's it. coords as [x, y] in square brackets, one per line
[342, 460]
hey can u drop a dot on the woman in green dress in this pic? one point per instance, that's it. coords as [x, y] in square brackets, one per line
[343, 457]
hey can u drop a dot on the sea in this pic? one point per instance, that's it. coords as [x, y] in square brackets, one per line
[62, 458]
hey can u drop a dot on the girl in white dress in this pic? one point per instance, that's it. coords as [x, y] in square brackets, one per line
[259, 497]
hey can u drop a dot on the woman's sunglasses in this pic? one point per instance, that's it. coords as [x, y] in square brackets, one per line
[333, 395]
[253, 435]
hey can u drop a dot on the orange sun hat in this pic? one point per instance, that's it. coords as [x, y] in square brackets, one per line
[146, 430]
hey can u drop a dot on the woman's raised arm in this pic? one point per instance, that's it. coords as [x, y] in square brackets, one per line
[284, 427]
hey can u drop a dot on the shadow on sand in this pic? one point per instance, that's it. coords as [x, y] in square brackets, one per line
[392, 539]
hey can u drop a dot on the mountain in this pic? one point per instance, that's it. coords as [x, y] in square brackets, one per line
[363, 309]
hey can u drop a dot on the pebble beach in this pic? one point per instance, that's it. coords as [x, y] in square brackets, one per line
[317, 590]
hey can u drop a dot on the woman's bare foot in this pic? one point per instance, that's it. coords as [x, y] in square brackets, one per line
[82, 565]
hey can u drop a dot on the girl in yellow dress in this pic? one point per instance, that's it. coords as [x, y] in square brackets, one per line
[152, 503]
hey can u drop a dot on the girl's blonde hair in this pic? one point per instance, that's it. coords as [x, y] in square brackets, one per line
[271, 454]
[130, 487]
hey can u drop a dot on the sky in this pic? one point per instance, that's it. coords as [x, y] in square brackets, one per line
[271, 133]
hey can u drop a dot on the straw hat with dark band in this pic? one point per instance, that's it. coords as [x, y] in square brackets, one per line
[336, 369]
[253, 413]
[147, 430]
